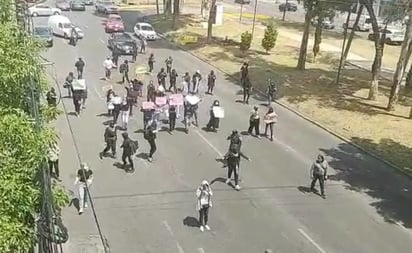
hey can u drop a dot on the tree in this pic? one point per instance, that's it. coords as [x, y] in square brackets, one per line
[211, 21]
[352, 33]
[309, 5]
[176, 12]
[270, 37]
[400, 66]
[245, 41]
[167, 9]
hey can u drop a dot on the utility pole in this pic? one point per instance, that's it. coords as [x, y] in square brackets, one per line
[284, 10]
[345, 35]
[241, 12]
[254, 18]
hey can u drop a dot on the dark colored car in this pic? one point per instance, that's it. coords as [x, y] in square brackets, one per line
[288, 7]
[123, 42]
[242, 1]
[45, 34]
[78, 5]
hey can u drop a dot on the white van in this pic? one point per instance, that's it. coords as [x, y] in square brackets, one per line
[60, 26]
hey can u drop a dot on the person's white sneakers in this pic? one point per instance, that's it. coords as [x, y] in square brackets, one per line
[86, 205]
[207, 227]
[80, 211]
[202, 228]
[237, 187]
[228, 181]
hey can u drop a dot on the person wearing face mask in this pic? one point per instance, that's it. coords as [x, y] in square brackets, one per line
[204, 202]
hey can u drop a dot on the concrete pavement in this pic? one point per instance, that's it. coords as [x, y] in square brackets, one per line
[146, 211]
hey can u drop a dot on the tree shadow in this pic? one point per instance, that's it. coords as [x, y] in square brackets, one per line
[389, 189]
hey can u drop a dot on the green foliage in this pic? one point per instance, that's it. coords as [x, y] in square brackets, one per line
[245, 41]
[15, 236]
[270, 37]
[61, 197]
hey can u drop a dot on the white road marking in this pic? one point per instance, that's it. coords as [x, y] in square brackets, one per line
[169, 229]
[98, 93]
[311, 240]
[201, 250]
[209, 143]
[179, 248]
[102, 41]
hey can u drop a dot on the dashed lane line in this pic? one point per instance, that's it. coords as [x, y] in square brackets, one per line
[169, 229]
[311, 240]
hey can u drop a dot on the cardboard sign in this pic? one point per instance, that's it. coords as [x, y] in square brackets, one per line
[219, 112]
[176, 99]
[160, 101]
[141, 69]
[148, 106]
[193, 100]
[270, 118]
[79, 84]
[117, 100]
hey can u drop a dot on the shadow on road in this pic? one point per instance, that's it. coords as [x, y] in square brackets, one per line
[191, 222]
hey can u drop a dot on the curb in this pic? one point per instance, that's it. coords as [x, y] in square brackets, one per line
[396, 168]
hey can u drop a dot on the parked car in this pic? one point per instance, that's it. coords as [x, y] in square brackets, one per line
[63, 5]
[43, 10]
[393, 35]
[106, 7]
[326, 24]
[89, 2]
[288, 7]
[123, 42]
[77, 5]
[242, 1]
[114, 23]
[45, 34]
[145, 30]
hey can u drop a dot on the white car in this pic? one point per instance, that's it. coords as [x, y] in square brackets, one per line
[393, 35]
[43, 10]
[145, 30]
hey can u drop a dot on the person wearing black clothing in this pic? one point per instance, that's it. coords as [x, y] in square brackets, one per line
[233, 163]
[79, 67]
[319, 171]
[151, 62]
[115, 56]
[68, 84]
[84, 180]
[254, 121]
[134, 53]
[172, 78]
[131, 98]
[211, 80]
[147, 116]
[235, 140]
[143, 44]
[213, 123]
[124, 70]
[127, 151]
[161, 78]
[169, 62]
[271, 91]
[186, 79]
[247, 86]
[150, 136]
[77, 101]
[244, 73]
[151, 92]
[51, 97]
[172, 118]
[110, 137]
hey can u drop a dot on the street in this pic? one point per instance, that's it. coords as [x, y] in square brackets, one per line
[152, 210]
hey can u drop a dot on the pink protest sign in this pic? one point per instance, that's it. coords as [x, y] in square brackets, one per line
[148, 105]
[160, 101]
[176, 99]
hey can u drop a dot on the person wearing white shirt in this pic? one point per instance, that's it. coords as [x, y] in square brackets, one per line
[204, 202]
[84, 180]
[108, 66]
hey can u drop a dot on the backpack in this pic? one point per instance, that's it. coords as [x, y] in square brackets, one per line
[134, 146]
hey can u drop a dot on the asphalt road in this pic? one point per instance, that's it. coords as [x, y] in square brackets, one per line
[145, 211]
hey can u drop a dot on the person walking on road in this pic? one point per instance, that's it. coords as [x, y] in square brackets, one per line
[247, 87]
[196, 79]
[169, 62]
[143, 44]
[124, 70]
[80, 67]
[270, 119]
[110, 138]
[115, 56]
[211, 80]
[151, 92]
[53, 160]
[161, 78]
[150, 136]
[68, 84]
[173, 79]
[84, 180]
[117, 107]
[134, 54]
[233, 163]
[244, 73]
[204, 203]
[108, 66]
[77, 101]
[271, 91]
[128, 150]
[172, 118]
[151, 62]
[319, 172]
[125, 110]
[254, 122]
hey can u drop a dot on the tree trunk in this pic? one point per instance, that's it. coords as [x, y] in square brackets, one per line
[377, 63]
[352, 34]
[157, 7]
[212, 15]
[305, 39]
[176, 12]
[408, 81]
[167, 5]
[397, 77]
[410, 113]
[318, 38]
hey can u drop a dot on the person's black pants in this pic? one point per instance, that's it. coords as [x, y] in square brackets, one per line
[134, 56]
[153, 148]
[194, 84]
[116, 113]
[54, 165]
[79, 73]
[108, 73]
[142, 49]
[168, 69]
[172, 122]
[254, 124]
[321, 179]
[203, 215]
[150, 67]
[77, 105]
[125, 77]
[232, 169]
[110, 145]
[270, 126]
[210, 88]
[246, 95]
[129, 158]
[172, 85]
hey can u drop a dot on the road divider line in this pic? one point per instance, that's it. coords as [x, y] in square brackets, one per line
[179, 248]
[201, 250]
[209, 143]
[169, 229]
[311, 240]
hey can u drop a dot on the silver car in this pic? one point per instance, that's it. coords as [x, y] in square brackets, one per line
[63, 5]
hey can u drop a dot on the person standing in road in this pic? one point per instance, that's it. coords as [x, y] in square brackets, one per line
[108, 66]
[117, 107]
[115, 56]
[124, 70]
[53, 160]
[270, 119]
[84, 180]
[77, 101]
[68, 84]
[134, 53]
[143, 44]
[109, 100]
[172, 118]
[79, 67]
[187, 79]
[169, 62]
[204, 203]
[125, 109]
[110, 137]
[319, 171]
[196, 78]
[161, 78]
[244, 73]
[211, 80]
[214, 121]
[271, 91]
[151, 92]
[51, 97]
[173, 79]
[150, 136]
[127, 151]
[151, 62]
[254, 121]
[247, 87]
